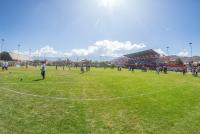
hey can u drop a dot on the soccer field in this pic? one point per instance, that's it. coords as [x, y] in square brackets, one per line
[98, 102]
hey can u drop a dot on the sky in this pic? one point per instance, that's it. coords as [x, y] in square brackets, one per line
[99, 28]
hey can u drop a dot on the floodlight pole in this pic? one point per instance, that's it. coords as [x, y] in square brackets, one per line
[191, 49]
[100, 58]
[2, 43]
[18, 47]
[29, 55]
[167, 50]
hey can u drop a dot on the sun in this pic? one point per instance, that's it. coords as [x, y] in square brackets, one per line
[109, 3]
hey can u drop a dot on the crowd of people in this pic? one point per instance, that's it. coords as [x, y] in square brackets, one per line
[195, 71]
[131, 68]
[164, 69]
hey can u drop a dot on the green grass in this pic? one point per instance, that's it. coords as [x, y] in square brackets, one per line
[98, 102]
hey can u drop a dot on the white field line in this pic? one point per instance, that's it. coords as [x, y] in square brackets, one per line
[86, 99]
[156, 101]
[29, 83]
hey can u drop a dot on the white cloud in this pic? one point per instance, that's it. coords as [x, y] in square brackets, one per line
[106, 48]
[183, 53]
[17, 52]
[45, 51]
[160, 51]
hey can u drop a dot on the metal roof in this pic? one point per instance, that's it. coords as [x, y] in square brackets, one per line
[143, 53]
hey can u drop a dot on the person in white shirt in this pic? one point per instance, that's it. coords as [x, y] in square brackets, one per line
[158, 70]
[6, 65]
[43, 70]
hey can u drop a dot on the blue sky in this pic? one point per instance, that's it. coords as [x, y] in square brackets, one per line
[100, 27]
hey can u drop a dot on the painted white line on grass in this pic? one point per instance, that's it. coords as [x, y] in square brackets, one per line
[27, 83]
[156, 101]
[81, 99]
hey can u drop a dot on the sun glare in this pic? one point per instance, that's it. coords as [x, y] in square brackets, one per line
[109, 3]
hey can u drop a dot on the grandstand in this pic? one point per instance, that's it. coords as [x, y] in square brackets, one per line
[147, 58]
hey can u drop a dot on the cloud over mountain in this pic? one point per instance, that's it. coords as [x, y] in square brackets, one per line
[183, 53]
[106, 48]
[160, 51]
